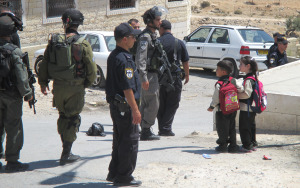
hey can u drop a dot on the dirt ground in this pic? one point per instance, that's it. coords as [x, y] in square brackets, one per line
[183, 164]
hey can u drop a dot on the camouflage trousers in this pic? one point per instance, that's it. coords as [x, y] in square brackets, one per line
[69, 100]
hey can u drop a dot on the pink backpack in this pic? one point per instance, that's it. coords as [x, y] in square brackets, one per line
[259, 96]
[228, 97]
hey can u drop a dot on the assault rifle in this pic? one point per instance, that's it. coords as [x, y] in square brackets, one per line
[31, 80]
[164, 71]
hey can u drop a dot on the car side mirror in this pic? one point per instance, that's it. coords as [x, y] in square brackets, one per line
[186, 38]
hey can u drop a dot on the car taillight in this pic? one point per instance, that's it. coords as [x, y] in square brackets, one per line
[245, 50]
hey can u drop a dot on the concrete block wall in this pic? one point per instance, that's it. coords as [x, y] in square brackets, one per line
[96, 18]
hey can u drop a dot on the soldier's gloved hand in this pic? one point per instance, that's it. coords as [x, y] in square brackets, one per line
[26, 98]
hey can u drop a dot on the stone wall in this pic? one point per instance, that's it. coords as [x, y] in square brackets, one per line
[97, 17]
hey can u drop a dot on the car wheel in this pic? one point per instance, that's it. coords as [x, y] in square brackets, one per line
[99, 77]
[37, 63]
[235, 72]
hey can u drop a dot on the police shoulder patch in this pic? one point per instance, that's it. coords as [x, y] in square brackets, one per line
[143, 45]
[129, 73]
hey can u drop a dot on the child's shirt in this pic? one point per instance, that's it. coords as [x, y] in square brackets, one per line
[215, 103]
[246, 92]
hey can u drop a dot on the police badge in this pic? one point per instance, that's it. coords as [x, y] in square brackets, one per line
[129, 73]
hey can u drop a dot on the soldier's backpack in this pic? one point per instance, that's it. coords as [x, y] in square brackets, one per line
[6, 65]
[259, 103]
[65, 56]
[96, 130]
[228, 97]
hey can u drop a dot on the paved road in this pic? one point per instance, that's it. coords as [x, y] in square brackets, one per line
[42, 146]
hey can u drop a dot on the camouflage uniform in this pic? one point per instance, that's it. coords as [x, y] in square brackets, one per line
[69, 93]
[11, 102]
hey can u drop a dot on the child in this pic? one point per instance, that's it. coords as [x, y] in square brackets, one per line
[225, 123]
[247, 126]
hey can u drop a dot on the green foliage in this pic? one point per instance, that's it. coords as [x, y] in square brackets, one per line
[293, 23]
[238, 11]
[205, 4]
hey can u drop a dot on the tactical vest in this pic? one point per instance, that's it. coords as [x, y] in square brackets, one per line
[65, 62]
[6, 66]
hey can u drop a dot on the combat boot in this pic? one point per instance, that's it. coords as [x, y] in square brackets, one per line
[15, 166]
[66, 155]
[147, 134]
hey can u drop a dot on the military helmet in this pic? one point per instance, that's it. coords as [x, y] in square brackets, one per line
[7, 25]
[72, 17]
[154, 12]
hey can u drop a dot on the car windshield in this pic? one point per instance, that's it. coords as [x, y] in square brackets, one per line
[110, 42]
[255, 36]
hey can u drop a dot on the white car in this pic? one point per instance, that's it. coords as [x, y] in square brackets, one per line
[102, 43]
[209, 44]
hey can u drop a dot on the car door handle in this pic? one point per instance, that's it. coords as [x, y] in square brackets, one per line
[223, 49]
[198, 47]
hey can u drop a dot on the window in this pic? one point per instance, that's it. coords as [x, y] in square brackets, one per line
[118, 4]
[94, 42]
[200, 35]
[115, 7]
[220, 36]
[14, 5]
[110, 42]
[53, 9]
[255, 35]
[176, 3]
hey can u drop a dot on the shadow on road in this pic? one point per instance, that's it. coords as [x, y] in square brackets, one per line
[85, 185]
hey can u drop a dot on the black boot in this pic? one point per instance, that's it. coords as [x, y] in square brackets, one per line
[16, 166]
[147, 134]
[66, 155]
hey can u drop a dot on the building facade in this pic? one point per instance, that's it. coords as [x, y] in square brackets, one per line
[41, 17]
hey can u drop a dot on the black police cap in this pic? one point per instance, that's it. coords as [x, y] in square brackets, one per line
[282, 40]
[123, 30]
[166, 24]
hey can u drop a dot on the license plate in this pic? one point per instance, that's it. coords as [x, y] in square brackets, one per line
[262, 52]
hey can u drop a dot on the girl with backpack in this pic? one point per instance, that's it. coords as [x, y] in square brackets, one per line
[247, 125]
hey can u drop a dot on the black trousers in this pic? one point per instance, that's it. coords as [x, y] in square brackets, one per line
[168, 105]
[247, 128]
[225, 125]
[124, 147]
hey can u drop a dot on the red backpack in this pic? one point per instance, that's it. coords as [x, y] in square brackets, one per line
[228, 97]
[259, 96]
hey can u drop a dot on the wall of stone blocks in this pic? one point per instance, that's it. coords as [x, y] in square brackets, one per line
[96, 18]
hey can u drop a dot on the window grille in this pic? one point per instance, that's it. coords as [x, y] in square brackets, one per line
[14, 5]
[119, 4]
[55, 8]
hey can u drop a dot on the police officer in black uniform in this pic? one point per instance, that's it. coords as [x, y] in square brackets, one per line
[123, 93]
[169, 100]
[279, 57]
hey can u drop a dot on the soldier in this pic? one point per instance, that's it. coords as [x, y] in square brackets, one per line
[13, 87]
[71, 74]
[123, 93]
[147, 64]
[169, 100]
[15, 39]
[278, 57]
